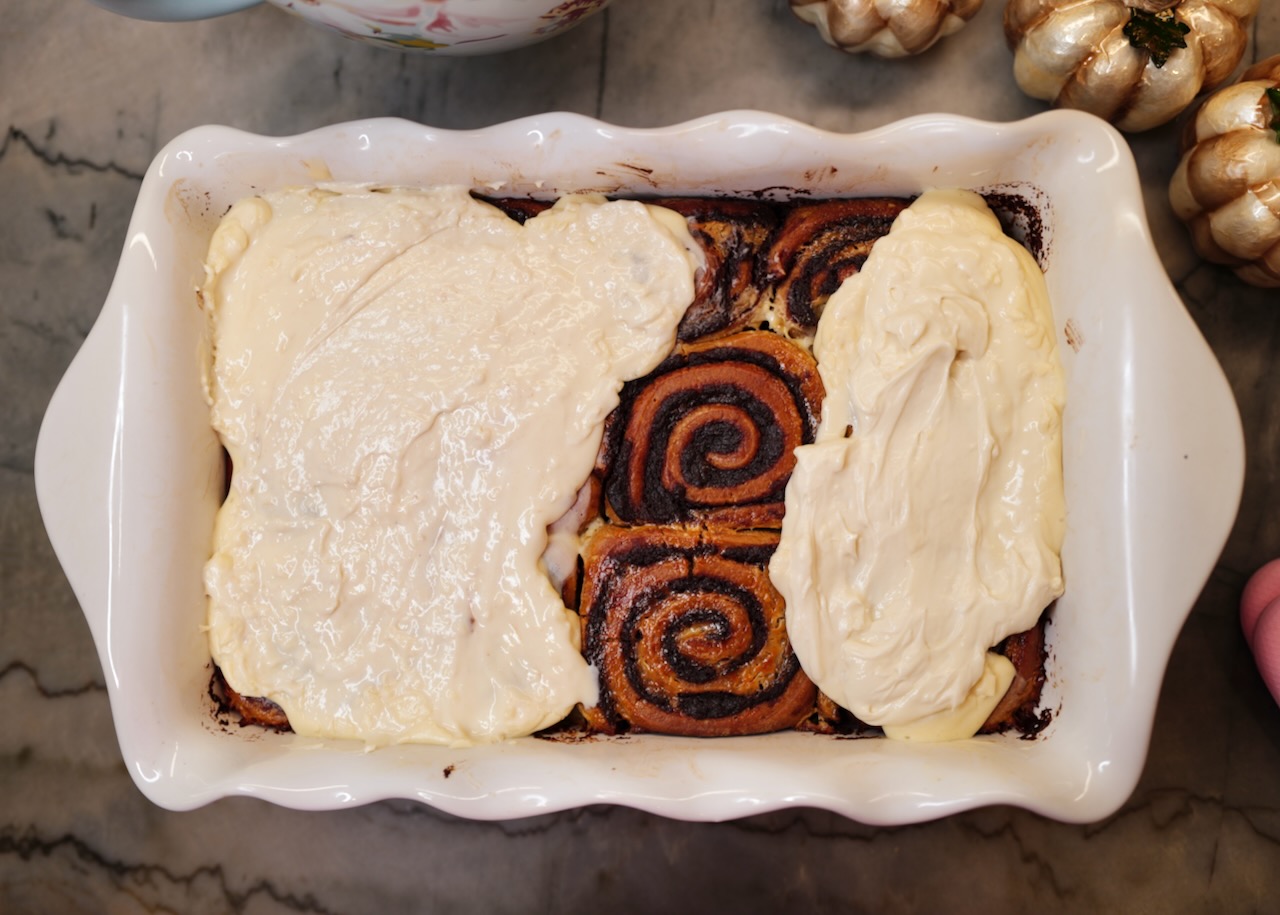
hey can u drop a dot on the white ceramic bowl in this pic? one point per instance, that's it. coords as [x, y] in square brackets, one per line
[128, 475]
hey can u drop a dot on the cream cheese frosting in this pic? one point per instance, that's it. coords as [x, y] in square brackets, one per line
[411, 387]
[925, 522]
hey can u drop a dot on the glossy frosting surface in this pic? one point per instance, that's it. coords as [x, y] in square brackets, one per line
[411, 387]
[924, 523]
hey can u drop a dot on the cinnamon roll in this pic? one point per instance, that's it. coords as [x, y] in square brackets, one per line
[828, 717]
[688, 635]
[733, 235]
[708, 436]
[818, 246]
[1017, 710]
[251, 709]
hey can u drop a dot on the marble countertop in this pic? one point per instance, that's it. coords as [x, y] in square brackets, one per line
[87, 100]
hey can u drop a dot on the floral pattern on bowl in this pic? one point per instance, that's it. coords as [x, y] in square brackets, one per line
[448, 26]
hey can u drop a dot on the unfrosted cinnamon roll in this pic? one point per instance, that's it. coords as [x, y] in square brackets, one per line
[709, 435]
[820, 245]
[688, 635]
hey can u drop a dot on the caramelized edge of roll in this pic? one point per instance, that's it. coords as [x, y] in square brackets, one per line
[252, 710]
[1018, 710]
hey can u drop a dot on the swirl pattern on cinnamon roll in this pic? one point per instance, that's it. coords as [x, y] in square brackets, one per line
[709, 435]
[733, 235]
[688, 635]
[819, 246]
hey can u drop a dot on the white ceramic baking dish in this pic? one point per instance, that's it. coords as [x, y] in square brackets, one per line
[128, 474]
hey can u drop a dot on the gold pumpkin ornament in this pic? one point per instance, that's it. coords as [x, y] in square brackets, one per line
[886, 28]
[1227, 186]
[1137, 63]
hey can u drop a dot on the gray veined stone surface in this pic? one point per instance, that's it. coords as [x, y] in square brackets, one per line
[86, 98]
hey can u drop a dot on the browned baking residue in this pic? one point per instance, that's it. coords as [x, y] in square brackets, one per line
[1075, 339]
[814, 175]
[643, 172]
[568, 736]
[1022, 214]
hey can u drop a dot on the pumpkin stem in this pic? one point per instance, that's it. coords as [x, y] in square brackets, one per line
[1158, 33]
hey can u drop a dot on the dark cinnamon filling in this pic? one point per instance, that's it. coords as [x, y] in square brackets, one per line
[819, 246]
[709, 435]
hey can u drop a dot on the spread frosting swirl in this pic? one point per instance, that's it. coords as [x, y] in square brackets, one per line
[924, 523]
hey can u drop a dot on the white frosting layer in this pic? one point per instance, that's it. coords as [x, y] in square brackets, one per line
[925, 522]
[412, 387]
